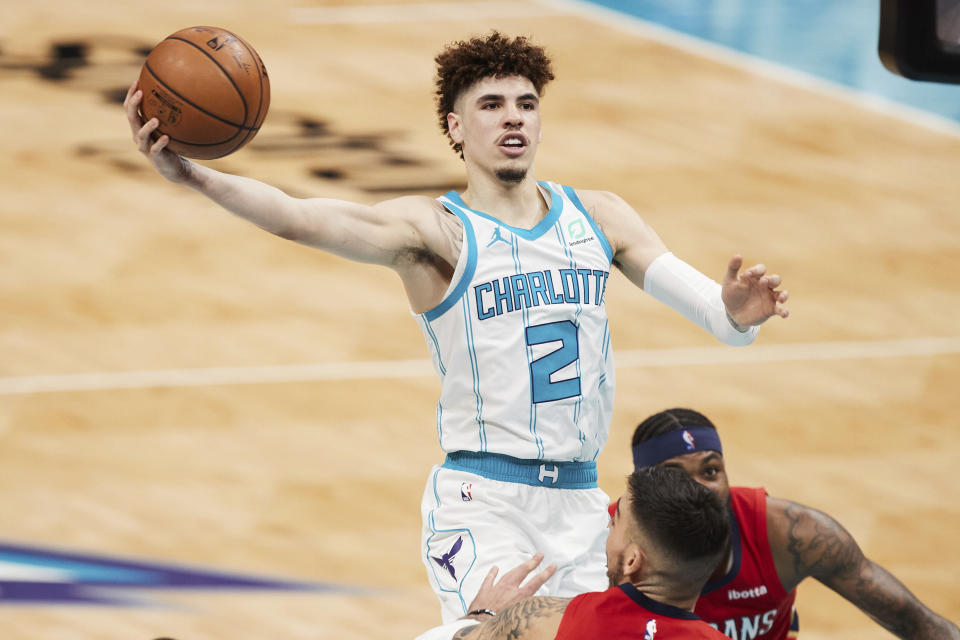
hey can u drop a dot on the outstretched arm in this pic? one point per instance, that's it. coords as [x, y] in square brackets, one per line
[806, 542]
[729, 311]
[380, 234]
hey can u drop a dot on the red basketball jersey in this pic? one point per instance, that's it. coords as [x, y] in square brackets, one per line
[623, 613]
[749, 602]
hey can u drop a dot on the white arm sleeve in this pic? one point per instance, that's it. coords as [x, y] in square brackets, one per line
[682, 288]
[446, 631]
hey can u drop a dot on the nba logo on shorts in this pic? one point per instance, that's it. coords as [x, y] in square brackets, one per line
[651, 630]
[688, 440]
[465, 488]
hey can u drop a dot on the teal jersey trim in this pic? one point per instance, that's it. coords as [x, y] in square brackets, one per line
[468, 271]
[596, 228]
[556, 206]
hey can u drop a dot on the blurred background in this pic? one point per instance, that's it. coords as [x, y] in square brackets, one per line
[208, 432]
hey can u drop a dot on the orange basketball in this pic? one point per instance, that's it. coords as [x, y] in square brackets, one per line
[209, 90]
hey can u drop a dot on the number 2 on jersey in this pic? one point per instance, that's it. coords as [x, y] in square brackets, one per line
[541, 369]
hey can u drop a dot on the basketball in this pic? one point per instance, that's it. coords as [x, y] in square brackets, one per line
[209, 90]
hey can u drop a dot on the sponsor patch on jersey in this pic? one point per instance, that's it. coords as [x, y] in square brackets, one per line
[746, 594]
[583, 241]
[576, 229]
[577, 232]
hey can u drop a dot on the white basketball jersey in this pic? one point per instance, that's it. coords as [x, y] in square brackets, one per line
[521, 341]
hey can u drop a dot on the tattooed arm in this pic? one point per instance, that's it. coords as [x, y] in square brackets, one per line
[536, 618]
[808, 543]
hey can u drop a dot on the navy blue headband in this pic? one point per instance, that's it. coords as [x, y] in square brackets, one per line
[675, 443]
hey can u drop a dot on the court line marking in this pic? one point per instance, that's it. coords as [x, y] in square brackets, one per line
[756, 65]
[419, 368]
[418, 12]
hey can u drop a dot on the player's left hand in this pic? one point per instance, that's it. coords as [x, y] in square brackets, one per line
[752, 296]
[498, 595]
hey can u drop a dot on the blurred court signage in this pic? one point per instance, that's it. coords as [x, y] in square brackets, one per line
[309, 143]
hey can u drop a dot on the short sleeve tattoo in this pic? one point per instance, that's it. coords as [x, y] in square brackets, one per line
[820, 547]
[515, 621]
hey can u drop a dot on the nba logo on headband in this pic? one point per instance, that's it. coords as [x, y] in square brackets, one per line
[675, 443]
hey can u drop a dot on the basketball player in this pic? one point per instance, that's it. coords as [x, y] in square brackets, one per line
[774, 545]
[507, 283]
[666, 535]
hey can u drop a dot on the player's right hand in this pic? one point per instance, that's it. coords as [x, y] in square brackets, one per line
[170, 165]
[497, 595]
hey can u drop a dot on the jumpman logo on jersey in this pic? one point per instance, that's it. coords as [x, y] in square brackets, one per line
[497, 237]
[446, 561]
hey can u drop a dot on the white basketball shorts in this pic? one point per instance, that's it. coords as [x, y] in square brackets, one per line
[486, 510]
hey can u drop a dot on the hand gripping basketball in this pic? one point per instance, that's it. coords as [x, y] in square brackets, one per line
[207, 88]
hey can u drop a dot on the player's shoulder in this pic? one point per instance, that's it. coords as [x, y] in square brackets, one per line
[780, 506]
[777, 510]
[788, 520]
[607, 208]
[411, 206]
[433, 226]
[420, 211]
[600, 200]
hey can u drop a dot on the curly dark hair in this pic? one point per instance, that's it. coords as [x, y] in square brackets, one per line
[463, 63]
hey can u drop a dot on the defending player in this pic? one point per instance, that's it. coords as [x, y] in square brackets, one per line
[507, 282]
[775, 544]
[666, 535]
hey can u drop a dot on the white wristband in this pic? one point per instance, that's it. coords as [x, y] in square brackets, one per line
[446, 631]
[682, 288]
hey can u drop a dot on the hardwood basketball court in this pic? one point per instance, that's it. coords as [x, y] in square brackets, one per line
[179, 387]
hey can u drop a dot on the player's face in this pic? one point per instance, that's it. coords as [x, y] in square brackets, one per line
[706, 467]
[497, 121]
